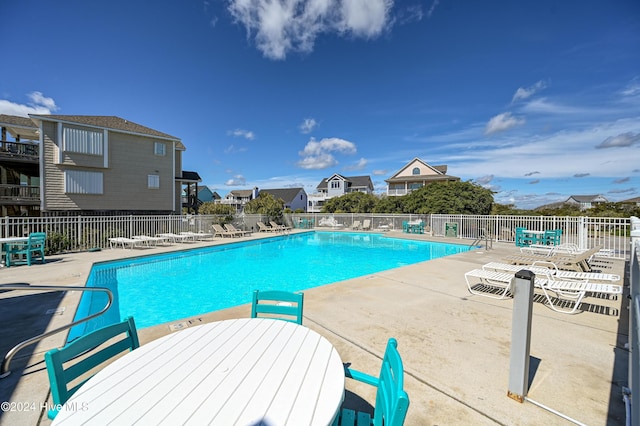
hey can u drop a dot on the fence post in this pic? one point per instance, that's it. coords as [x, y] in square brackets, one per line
[521, 335]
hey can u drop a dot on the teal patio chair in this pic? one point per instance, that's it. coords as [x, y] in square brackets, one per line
[276, 304]
[392, 402]
[26, 252]
[60, 377]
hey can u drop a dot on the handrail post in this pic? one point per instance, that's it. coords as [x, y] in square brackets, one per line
[4, 370]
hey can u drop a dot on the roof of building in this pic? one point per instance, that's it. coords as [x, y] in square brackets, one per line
[440, 173]
[585, 198]
[19, 126]
[285, 194]
[354, 181]
[110, 122]
[241, 192]
[191, 176]
[631, 200]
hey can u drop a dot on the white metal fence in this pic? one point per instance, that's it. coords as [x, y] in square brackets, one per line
[632, 393]
[78, 233]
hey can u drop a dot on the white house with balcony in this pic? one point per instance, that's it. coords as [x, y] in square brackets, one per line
[416, 174]
[336, 186]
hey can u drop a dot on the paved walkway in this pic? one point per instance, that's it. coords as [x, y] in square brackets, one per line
[455, 345]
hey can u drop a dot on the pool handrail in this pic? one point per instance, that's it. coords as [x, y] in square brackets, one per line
[4, 370]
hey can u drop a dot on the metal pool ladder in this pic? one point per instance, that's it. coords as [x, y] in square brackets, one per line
[4, 370]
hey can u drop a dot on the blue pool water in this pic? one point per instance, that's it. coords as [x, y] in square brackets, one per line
[163, 288]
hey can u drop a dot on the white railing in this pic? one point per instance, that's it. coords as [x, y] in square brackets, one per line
[632, 393]
[586, 232]
[77, 233]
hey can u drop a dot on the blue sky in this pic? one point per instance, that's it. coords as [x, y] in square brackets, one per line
[536, 100]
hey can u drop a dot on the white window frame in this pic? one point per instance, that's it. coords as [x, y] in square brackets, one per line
[153, 181]
[159, 149]
[83, 141]
[83, 182]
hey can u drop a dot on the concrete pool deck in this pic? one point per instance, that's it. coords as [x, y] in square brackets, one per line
[455, 346]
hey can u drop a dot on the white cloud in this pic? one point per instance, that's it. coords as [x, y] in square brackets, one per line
[633, 88]
[240, 133]
[361, 164]
[39, 104]
[308, 125]
[526, 92]
[319, 154]
[433, 8]
[484, 180]
[238, 180]
[282, 26]
[621, 140]
[502, 122]
[379, 172]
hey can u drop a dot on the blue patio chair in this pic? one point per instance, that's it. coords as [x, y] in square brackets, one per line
[276, 304]
[26, 252]
[392, 402]
[60, 377]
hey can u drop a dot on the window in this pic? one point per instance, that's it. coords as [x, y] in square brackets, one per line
[82, 182]
[153, 181]
[335, 184]
[83, 141]
[159, 149]
[415, 171]
[415, 185]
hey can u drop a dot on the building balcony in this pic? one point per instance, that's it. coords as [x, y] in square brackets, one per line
[19, 195]
[19, 151]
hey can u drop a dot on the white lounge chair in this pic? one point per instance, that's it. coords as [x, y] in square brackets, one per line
[574, 290]
[366, 225]
[149, 241]
[543, 267]
[169, 236]
[356, 225]
[125, 242]
[196, 236]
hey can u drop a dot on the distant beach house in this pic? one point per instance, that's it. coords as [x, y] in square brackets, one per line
[206, 195]
[294, 198]
[414, 175]
[635, 201]
[97, 165]
[239, 197]
[586, 201]
[336, 186]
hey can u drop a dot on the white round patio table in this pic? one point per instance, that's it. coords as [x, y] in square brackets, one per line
[232, 372]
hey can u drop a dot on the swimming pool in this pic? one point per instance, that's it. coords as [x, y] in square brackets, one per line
[167, 287]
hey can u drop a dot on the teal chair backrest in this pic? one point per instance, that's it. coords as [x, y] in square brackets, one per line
[277, 304]
[61, 376]
[392, 401]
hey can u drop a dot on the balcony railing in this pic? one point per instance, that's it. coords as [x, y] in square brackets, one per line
[19, 150]
[19, 193]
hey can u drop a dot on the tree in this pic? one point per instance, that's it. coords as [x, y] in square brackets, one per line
[353, 202]
[266, 205]
[390, 205]
[449, 198]
[225, 212]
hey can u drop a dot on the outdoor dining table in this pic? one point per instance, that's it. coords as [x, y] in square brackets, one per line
[241, 371]
[9, 240]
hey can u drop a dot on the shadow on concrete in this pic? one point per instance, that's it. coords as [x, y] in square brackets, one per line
[560, 303]
[23, 317]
